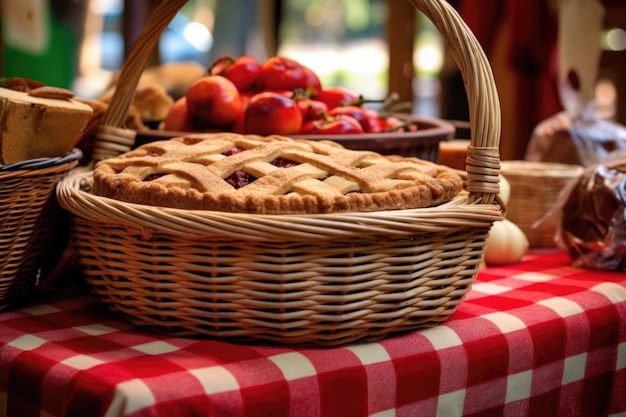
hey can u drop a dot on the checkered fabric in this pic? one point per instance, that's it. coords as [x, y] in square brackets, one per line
[539, 338]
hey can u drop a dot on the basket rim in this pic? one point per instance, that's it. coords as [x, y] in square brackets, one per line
[433, 129]
[460, 213]
[540, 169]
[43, 162]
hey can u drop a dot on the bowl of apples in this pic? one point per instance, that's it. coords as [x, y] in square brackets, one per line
[282, 96]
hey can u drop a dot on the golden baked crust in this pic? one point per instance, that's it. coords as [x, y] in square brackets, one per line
[270, 175]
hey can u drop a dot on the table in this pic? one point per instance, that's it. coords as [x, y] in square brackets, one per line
[538, 338]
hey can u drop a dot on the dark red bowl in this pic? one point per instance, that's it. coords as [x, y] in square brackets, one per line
[422, 143]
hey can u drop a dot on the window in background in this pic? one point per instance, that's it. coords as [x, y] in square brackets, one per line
[187, 38]
[613, 45]
[428, 64]
[345, 43]
[342, 41]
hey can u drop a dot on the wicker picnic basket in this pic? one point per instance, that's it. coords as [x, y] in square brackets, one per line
[536, 195]
[324, 280]
[28, 211]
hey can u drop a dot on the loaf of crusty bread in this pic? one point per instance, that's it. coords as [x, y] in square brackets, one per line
[36, 126]
[151, 101]
[90, 132]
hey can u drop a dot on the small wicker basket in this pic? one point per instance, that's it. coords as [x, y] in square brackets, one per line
[323, 280]
[28, 209]
[536, 193]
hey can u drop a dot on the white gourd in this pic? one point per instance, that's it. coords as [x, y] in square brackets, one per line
[505, 190]
[507, 243]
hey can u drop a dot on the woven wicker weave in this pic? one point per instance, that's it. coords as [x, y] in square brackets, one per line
[319, 280]
[536, 188]
[28, 210]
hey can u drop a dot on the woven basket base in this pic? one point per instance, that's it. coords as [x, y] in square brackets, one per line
[296, 293]
[29, 213]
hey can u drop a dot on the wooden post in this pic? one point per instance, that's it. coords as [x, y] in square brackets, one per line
[134, 17]
[401, 29]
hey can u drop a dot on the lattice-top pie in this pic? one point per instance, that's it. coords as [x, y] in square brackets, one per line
[271, 175]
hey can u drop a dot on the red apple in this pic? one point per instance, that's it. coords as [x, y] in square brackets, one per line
[271, 113]
[336, 96]
[243, 71]
[336, 125]
[179, 119]
[214, 99]
[282, 73]
[311, 109]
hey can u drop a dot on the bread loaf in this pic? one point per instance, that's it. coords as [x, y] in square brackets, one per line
[37, 126]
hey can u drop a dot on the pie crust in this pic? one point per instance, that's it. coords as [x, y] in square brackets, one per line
[271, 175]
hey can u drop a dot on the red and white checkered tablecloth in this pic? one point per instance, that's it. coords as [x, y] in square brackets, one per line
[539, 338]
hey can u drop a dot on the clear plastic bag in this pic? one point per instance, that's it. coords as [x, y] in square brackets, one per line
[593, 223]
[587, 138]
[597, 139]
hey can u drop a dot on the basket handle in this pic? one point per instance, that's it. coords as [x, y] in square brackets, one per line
[483, 152]
[137, 59]
[483, 155]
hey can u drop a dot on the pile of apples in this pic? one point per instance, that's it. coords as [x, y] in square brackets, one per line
[278, 96]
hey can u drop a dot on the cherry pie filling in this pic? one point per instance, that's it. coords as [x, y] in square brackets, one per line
[152, 177]
[237, 179]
